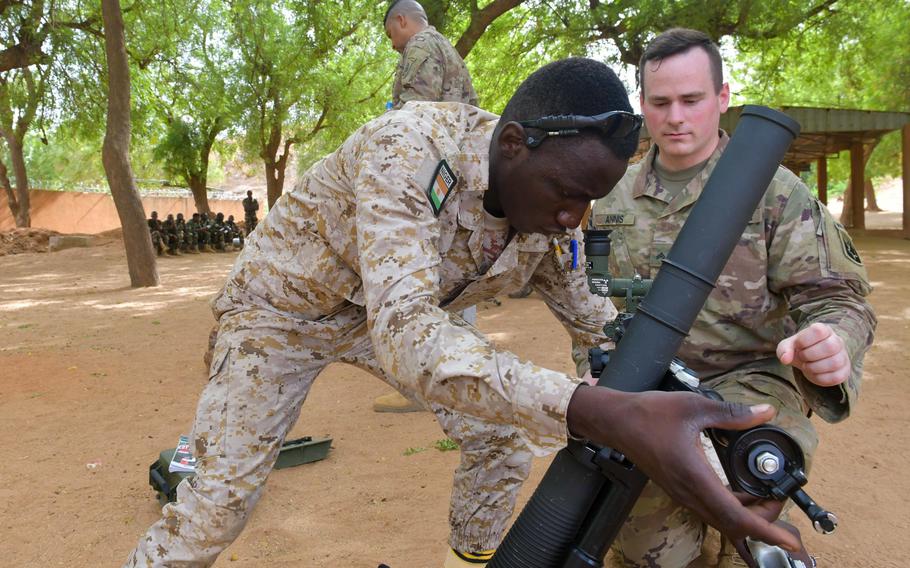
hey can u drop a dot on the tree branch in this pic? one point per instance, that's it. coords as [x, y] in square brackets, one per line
[480, 21]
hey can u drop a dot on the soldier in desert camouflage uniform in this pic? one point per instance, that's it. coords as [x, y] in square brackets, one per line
[368, 261]
[429, 69]
[794, 287]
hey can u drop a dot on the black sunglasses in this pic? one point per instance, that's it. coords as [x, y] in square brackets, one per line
[613, 124]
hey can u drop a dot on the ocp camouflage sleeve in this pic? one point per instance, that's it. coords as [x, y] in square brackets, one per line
[813, 263]
[421, 76]
[414, 339]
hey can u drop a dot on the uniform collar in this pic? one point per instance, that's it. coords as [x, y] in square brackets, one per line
[425, 31]
[646, 185]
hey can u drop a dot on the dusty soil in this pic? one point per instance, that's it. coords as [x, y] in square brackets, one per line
[96, 378]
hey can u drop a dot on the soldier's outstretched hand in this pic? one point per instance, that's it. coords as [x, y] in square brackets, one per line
[660, 432]
[819, 353]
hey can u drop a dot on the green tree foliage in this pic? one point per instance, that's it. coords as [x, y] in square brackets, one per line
[291, 76]
[857, 57]
[536, 32]
[189, 92]
[303, 68]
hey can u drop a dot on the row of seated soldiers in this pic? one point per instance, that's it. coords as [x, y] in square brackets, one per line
[176, 236]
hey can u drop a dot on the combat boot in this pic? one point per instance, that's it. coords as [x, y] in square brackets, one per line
[207, 248]
[193, 249]
[395, 402]
[468, 560]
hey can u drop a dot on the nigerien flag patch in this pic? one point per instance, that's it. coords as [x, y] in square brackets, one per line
[441, 185]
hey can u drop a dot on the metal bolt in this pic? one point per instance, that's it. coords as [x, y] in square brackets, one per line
[768, 463]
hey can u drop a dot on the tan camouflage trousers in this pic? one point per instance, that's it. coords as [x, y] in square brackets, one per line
[661, 534]
[262, 369]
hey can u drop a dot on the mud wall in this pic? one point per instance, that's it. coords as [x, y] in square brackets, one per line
[73, 212]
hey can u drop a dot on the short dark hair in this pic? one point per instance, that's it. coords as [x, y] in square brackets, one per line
[679, 40]
[411, 8]
[576, 85]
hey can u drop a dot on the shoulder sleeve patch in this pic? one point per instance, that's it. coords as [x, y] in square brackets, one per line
[441, 185]
[847, 245]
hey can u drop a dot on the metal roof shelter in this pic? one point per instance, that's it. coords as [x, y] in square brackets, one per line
[826, 132]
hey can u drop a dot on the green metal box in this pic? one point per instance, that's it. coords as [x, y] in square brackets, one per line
[292, 453]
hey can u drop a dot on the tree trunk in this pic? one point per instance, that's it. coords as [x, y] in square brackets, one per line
[115, 155]
[871, 202]
[17, 157]
[200, 194]
[480, 21]
[198, 180]
[274, 182]
[10, 196]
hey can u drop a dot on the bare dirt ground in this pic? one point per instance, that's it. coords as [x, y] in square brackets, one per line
[96, 378]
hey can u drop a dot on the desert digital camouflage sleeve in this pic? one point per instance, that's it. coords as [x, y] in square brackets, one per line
[812, 261]
[566, 293]
[414, 339]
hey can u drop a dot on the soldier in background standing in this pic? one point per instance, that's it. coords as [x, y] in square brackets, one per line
[429, 70]
[250, 207]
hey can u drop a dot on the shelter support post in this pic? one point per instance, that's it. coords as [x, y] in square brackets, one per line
[822, 179]
[905, 174]
[857, 185]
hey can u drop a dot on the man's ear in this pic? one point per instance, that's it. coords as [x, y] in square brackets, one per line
[724, 97]
[512, 140]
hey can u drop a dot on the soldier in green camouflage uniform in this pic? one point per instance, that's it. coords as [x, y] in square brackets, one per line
[234, 231]
[787, 324]
[429, 69]
[192, 232]
[213, 237]
[223, 241]
[186, 237]
[250, 207]
[155, 230]
[171, 236]
[368, 260]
